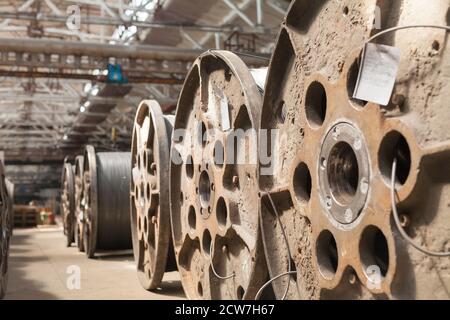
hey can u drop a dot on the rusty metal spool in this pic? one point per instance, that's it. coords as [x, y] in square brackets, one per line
[79, 207]
[214, 196]
[150, 215]
[68, 202]
[6, 225]
[331, 166]
[106, 179]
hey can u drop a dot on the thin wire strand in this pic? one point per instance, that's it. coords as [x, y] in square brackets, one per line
[407, 27]
[397, 220]
[250, 55]
[258, 294]
[289, 254]
[214, 270]
[394, 164]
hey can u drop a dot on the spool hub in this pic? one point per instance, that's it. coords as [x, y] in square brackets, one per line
[343, 173]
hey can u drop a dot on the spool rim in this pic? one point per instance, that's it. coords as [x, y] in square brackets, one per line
[152, 110]
[91, 221]
[206, 217]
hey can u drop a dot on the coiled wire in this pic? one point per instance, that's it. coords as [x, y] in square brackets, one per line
[113, 181]
[111, 204]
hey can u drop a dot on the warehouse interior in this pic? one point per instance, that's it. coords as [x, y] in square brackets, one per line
[93, 93]
[55, 95]
[58, 95]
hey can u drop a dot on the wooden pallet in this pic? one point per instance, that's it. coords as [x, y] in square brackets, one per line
[26, 216]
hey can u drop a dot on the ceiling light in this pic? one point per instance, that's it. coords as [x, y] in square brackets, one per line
[95, 90]
[87, 87]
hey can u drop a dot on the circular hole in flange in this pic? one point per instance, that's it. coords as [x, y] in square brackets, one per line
[374, 251]
[181, 198]
[192, 218]
[206, 242]
[204, 189]
[200, 289]
[218, 154]
[394, 146]
[189, 167]
[345, 11]
[343, 172]
[316, 104]
[352, 78]
[142, 190]
[149, 192]
[240, 292]
[145, 224]
[436, 45]
[282, 112]
[202, 137]
[136, 191]
[222, 212]
[302, 183]
[144, 158]
[327, 254]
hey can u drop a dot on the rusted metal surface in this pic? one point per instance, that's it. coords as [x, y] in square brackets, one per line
[68, 202]
[106, 180]
[79, 204]
[150, 215]
[333, 157]
[6, 226]
[213, 185]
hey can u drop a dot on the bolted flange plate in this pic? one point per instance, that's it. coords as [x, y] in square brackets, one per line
[150, 217]
[213, 180]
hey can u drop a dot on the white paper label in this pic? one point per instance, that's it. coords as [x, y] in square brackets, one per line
[377, 74]
[218, 104]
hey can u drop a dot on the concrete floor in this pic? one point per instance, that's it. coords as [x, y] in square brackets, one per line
[38, 270]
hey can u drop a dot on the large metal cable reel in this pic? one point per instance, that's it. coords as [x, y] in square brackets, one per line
[79, 205]
[214, 199]
[6, 226]
[10, 206]
[150, 215]
[68, 202]
[332, 166]
[106, 179]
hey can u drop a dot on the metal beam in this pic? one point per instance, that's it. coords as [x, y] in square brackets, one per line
[7, 98]
[277, 6]
[240, 13]
[259, 12]
[85, 76]
[227, 19]
[101, 21]
[74, 48]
